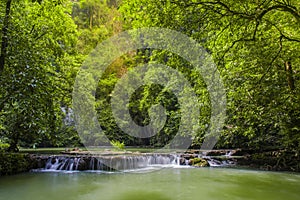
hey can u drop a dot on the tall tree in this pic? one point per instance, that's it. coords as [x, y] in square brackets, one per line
[5, 35]
[41, 41]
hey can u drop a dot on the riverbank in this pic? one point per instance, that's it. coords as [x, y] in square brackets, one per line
[273, 160]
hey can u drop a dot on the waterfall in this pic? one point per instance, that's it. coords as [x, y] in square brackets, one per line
[92, 164]
[88, 162]
[77, 161]
[108, 163]
[62, 163]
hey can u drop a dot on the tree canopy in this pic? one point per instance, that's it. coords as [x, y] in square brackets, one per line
[254, 44]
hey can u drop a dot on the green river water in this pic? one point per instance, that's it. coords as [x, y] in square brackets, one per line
[165, 184]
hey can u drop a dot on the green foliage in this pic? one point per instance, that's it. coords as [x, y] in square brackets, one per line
[118, 145]
[33, 83]
[3, 146]
[255, 46]
[97, 20]
[12, 163]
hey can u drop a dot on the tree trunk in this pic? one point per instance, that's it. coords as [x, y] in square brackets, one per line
[4, 42]
[91, 17]
[290, 78]
[52, 120]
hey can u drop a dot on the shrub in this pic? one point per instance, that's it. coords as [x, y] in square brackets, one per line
[3, 146]
[118, 145]
[13, 163]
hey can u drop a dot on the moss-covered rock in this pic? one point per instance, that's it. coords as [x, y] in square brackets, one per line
[198, 162]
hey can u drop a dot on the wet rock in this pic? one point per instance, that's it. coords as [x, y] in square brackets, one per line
[182, 161]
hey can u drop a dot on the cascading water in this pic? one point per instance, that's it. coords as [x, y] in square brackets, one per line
[132, 162]
[62, 163]
[109, 163]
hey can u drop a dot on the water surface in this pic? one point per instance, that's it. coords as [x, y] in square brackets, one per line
[165, 184]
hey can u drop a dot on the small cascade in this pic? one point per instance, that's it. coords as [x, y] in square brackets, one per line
[133, 162]
[178, 160]
[108, 163]
[213, 158]
[53, 164]
[220, 163]
[223, 160]
[92, 164]
[61, 163]
[77, 161]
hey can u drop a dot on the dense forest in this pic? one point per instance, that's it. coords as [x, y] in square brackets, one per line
[254, 44]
